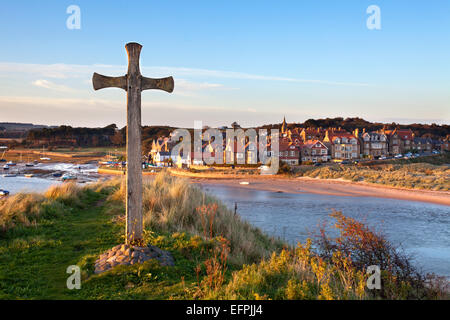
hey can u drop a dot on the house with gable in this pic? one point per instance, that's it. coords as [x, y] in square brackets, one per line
[315, 151]
[342, 145]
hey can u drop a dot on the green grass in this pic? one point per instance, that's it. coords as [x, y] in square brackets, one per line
[34, 259]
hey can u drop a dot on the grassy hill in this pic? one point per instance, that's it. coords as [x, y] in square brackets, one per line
[217, 255]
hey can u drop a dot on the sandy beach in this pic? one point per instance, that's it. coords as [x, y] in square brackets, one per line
[331, 187]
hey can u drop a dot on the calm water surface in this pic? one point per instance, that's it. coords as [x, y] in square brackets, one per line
[422, 229]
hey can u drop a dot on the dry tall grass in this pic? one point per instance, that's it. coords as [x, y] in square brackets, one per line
[170, 204]
[20, 209]
[414, 175]
[25, 209]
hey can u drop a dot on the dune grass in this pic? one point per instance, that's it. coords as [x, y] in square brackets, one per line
[171, 203]
[412, 175]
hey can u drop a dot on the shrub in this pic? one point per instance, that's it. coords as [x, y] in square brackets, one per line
[365, 247]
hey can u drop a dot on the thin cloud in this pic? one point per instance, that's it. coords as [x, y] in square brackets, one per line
[61, 70]
[42, 83]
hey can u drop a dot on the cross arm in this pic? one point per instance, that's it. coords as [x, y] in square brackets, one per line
[165, 84]
[100, 81]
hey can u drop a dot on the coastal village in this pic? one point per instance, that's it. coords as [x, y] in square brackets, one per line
[309, 145]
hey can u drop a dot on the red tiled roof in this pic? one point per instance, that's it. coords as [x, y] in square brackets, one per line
[312, 143]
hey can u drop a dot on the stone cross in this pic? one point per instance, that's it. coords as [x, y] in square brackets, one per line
[133, 83]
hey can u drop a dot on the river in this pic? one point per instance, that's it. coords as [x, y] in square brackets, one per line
[422, 229]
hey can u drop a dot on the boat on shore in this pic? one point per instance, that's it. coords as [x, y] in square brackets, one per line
[10, 163]
[28, 175]
[68, 177]
[6, 167]
[10, 175]
[4, 192]
[29, 164]
[57, 174]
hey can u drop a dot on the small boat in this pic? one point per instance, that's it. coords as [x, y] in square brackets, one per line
[10, 175]
[4, 192]
[244, 182]
[29, 164]
[57, 174]
[68, 177]
[2, 160]
[10, 163]
[45, 158]
[6, 167]
[28, 175]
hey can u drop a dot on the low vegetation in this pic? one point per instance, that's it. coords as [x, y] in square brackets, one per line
[217, 255]
[411, 175]
[171, 205]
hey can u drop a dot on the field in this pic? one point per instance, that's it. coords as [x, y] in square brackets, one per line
[78, 155]
[217, 255]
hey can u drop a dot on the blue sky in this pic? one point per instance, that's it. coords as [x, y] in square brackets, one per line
[249, 61]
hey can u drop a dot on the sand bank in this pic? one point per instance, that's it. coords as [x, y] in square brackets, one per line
[331, 187]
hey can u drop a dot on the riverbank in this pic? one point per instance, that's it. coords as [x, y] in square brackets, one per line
[334, 187]
[117, 172]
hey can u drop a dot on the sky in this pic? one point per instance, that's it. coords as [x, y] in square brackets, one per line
[253, 62]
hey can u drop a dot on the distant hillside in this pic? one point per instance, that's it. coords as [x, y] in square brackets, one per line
[430, 130]
[17, 130]
[67, 136]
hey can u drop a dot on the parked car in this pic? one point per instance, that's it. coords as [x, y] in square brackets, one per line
[344, 162]
[317, 164]
[398, 156]
[383, 158]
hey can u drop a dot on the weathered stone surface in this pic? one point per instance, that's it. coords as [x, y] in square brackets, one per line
[129, 255]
